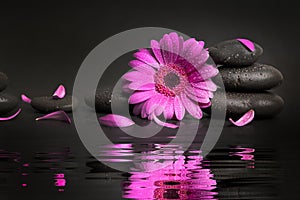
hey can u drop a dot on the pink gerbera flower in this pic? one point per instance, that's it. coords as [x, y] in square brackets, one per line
[171, 78]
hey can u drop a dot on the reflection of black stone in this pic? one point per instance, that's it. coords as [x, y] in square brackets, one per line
[265, 104]
[256, 77]
[7, 103]
[3, 81]
[233, 53]
[48, 104]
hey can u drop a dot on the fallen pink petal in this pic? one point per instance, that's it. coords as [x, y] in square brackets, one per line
[60, 92]
[114, 120]
[245, 119]
[10, 117]
[25, 98]
[57, 115]
[247, 43]
[164, 124]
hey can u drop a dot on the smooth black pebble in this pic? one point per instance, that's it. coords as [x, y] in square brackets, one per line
[48, 104]
[265, 104]
[234, 53]
[3, 81]
[104, 99]
[257, 77]
[8, 103]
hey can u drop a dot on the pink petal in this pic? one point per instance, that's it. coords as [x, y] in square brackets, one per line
[203, 94]
[163, 102]
[57, 115]
[247, 43]
[114, 120]
[188, 46]
[10, 117]
[25, 98]
[138, 97]
[175, 45]
[205, 105]
[142, 67]
[136, 76]
[205, 85]
[180, 48]
[153, 103]
[245, 119]
[137, 109]
[165, 124]
[147, 86]
[157, 51]
[191, 107]
[199, 56]
[60, 92]
[206, 72]
[178, 108]
[147, 58]
[197, 99]
[166, 48]
[169, 109]
[136, 85]
[144, 110]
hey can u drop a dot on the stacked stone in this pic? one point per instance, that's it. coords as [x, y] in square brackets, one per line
[246, 81]
[8, 102]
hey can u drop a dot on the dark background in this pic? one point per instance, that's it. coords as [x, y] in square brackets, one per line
[43, 44]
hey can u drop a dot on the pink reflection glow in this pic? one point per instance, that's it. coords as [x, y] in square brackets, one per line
[60, 181]
[244, 153]
[184, 178]
[24, 185]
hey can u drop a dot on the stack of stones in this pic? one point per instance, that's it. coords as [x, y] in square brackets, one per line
[8, 102]
[246, 81]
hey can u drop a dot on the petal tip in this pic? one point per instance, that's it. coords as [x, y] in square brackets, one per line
[57, 115]
[114, 120]
[247, 43]
[25, 98]
[60, 92]
[245, 119]
[12, 116]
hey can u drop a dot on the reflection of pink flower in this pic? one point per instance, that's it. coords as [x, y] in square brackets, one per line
[171, 78]
[182, 179]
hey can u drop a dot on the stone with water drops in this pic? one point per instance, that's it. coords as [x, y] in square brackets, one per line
[265, 104]
[257, 77]
[49, 104]
[235, 53]
[8, 103]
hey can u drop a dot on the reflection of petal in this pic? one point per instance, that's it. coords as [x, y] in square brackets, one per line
[60, 92]
[57, 115]
[245, 119]
[10, 117]
[114, 120]
[25, 98]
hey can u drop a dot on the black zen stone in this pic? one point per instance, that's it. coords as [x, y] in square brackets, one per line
[48, 104]
[8, 103]
[265, 104]
[256, 77]
[234, 53]
[3, 81]
[104, 99]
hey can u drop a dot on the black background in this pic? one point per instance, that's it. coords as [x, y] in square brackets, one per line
[43, 44]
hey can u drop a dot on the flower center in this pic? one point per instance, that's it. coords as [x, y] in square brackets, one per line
[170, 80]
